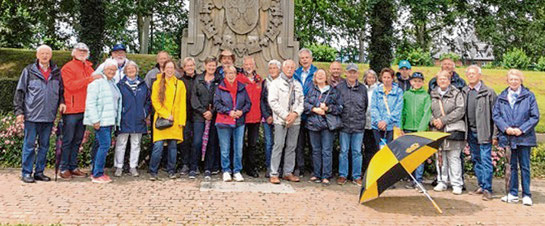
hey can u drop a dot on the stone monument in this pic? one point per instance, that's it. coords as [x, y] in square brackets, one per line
[263, 29]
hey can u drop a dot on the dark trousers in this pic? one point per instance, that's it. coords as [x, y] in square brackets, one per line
[252, 134]
[186, 146]
[72, 136]
[302, 142]
[212, 155]
[370, 148]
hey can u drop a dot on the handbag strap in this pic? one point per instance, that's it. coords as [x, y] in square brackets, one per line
[441, 107]
[174, 100]
[385, 99]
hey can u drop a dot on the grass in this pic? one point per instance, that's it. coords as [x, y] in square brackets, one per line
[495, 78]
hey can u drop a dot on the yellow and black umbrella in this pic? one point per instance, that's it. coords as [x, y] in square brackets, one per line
[398, 160]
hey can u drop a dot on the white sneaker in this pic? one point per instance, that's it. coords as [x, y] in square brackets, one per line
[134, 172]
[510, 199]
[238, 177]
[226, 177]
[118, 172]
[457, 190]
[440, 187]
[527, 201]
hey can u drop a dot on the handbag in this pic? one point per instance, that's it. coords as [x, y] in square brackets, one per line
[333, 121]
[163, 123]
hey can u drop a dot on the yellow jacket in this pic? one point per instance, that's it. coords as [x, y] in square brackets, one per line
[165, 110]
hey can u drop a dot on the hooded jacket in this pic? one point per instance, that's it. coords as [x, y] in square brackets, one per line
[254, 89]
[416, 112]
[224, 104]
[76, 75]
[379, 111]
[99, 106]
[136, 106]
[404, 84]
[202, 96]
[454, 107]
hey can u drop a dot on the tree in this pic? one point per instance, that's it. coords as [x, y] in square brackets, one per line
[353, 17]
[92, 20]
[315, 21]
[381, 19]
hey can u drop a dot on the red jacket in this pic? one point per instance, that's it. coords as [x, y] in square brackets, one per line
[254, 91]
[76, 75]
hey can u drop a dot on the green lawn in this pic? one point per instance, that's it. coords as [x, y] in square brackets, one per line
[495, 78]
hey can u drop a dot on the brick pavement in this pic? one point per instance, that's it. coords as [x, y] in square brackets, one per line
[139, 201]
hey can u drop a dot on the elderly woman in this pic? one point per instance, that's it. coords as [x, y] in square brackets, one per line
[321, 102]
[135, 97]
[370, 80]
[386, 106]
[516, 115]
[448, 109]
[266, 111]
[168, 98]
[103, 113]
[232, 102]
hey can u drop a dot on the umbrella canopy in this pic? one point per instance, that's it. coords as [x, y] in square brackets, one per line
[397, 160]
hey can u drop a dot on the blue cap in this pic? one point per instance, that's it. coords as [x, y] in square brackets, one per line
[405, 64]
[119, 47]
[417, 75]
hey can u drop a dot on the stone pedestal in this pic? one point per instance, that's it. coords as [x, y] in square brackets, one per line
[263, 29]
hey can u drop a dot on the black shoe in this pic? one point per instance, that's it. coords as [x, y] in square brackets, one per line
[41, 177]
[28, 179]
[253, 174]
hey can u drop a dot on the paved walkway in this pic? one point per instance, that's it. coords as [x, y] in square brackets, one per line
[183, 201]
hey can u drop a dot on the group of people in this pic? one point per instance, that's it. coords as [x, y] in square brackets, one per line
[215, 116]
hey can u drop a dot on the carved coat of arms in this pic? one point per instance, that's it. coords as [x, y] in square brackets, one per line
[242, 16]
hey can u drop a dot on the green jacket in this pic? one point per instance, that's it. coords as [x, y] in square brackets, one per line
[416, 112]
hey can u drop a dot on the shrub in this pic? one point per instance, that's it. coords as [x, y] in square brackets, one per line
[540, 65]
[455, 57]
[323, 53]
[7, 91]
[515, 58]
[417, 57]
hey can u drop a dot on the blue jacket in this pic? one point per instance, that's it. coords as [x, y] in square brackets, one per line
[316, 122]
[37, 98]
[379, 112]
[307, 84]
[135, 106]
[524, 115]
[223, 104]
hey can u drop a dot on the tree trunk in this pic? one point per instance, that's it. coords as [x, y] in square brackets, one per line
[361, 55]
[143, 23]
[382, 35]
[92, 27]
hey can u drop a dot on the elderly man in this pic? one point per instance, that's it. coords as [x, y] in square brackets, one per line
[404, 75]
[304, 75]
[37, 98]
[336, 70]
[481, 132]
[286, 102]
[448, 64]
[76, 75]
[227, 59]
[119, 54]
[151, 76]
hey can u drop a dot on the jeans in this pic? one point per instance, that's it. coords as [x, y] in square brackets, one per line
[72, 136]
[350, 142]
[302, 141]
[322, 148]
[225, 135]
[120, 147]
[157, 154]
[288, 137]
[104, 137]
[268, 130]
[370, 148]
[41, 130]
[212, 151]
[481, 155]
[419, 171]
[252, 130]
[520, 156]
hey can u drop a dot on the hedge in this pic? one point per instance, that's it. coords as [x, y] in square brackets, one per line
[13, 61]
[7, 90]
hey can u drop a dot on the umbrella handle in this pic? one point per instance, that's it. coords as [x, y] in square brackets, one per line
[427, 195]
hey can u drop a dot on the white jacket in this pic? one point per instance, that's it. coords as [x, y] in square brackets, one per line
[279, 99]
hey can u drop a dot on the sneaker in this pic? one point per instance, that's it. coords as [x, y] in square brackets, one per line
[134, 172]
[487, 195]
[527, 201]
[153, 177]
[101, 180]
[207, 175]
[238, 177]
[184, 170]
[411, 185]
[118, 172]
[457, 190]
[227, 177]
[192, 175]
[172, 176]
[440, 187]
[510, 199]
[215, 172]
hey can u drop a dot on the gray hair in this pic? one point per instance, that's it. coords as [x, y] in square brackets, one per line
[275, 62]
[44, 47]
[186, 60]
[230, 68]
[109, 62]
[367, 73]
[305, 50]
[80, 46]
[287, 62]
[130, 63]
[474, 67]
